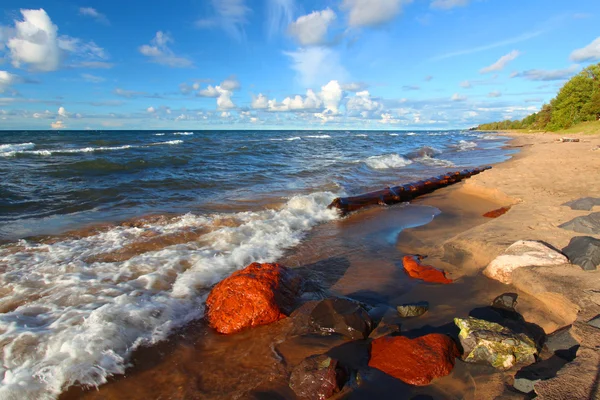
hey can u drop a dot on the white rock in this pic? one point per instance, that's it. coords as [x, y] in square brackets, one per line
[520, 254]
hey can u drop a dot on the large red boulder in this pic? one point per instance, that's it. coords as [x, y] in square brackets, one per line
[414, 361]
[414, 269]
[256, 295]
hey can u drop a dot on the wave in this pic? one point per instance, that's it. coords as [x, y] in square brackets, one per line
[73, 316]
[465, 145]
[294, 138]
[9, 150]
[387, 161]
[318, 136]
[433, 162]
[393, 134]
[170, 142]
[183, 133]
[425, 151]
[411, 134]
[86, 149]
[361, 135]
[159, 134]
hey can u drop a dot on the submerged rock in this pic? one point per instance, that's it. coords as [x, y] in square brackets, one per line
[583, 204]
[414, 361]
[317, 377]
[494, 344]
[496, 213]
[589, 224]
[522, 254]
[415, 269]
[413, 309]
[528, 376]
[388, 324]
[343, 316]
[506, 302]
[584, 251]
[256, 295]
[564, 343]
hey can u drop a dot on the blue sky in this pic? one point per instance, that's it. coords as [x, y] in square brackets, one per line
[287, 64]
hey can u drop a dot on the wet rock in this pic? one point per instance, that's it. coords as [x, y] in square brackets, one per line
[415, 269]
[493, 344]
[414, 361]
[528, 376]
[563, 343]
[256, 295]
[496, 213]
[318, 377]
[589, 224]
[583, 204]
[343, 316]
[584, 251]
[506, 301]
[522, 254]
[389, 324]
[413, 309]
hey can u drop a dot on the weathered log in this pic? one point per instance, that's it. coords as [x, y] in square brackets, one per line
[403, 193]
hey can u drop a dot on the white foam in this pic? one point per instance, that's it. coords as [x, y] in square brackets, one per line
[434, 162]
[361, 135]
[464, 145]
[411, 134]
[318, 136]
[159, 134]
[294, 138]
[170, 142]
[85, 149]
[9, 150]
[183, 133]
[387, 161]
[394, 134]
[70, 320]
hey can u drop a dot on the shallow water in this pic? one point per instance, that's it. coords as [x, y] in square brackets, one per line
[85, 281]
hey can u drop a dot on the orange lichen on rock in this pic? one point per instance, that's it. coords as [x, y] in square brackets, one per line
[256, 295]
[414, 361]
[496, 213]
[415, 269]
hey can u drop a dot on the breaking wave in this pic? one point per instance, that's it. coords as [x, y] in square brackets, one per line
[387, 161]
[83, 150]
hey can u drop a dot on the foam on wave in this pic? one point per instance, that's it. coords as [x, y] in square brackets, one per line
[83, 150]
[8, 150]
[465, 145]
[386, 161]
[318, 137]
[183, 133]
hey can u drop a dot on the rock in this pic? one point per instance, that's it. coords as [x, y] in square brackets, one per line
[528, 376]
[256, 295]
[317, 377]
[494, 344]
[413, 309]
[589, 224]
[343, 316]
[583, 204]
[414, 361]
[506, 301]
[567, 140]
[415, 269]
[563, 343]
[522, 254]
[576, 380]
[496, 213]
[584, 251]
[389, 324]
[595, 322]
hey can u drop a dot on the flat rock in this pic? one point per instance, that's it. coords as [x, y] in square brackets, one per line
[595, 322]
[414, 269]
[563, 343]
[589, 224]
[522, 254]
[388, 324]
[414, 361]
[342, 316]
[491, 343]
[413, 309]
[317, 377]
[528, 376]
[583, 204]
[584, 251]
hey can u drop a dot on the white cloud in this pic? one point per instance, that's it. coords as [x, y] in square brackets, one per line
[92, 12]
[311, 29]
[494, 94]
[128, 93]
[62, 112]
[458, 97]
[7, 79]
[448, 4]
[151, 110]
[506, 42]
[327, 100]
[372, 12]
[363, 104]
[591, 52]
[544, 75]
[159, 52]
[387, 118]
[280, 13]
[501, 63]
[92, 78]
[58, 125]
[224, 101]
[94, 64]
[210, 91]
[316, 65]
[332, 96]
[354, 86]
[466, 84]
[260, 102]
[231, 84]
[222, 93]
[230, 15]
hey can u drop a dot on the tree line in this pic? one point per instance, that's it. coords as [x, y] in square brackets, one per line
[577, 101]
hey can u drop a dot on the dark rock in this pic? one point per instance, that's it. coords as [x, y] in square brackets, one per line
[413, 309]
[584, 204]
[563, 343]
[584, 251]
[387, 325]
[414, 361]
[318, 377]
[528, 376]
[343, 316]
[506, 301]
[595, 322]
[589, 224]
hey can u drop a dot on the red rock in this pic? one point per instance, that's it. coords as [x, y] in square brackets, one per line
[415, 269]
[496, 213]
[414, 361]
[256, 295]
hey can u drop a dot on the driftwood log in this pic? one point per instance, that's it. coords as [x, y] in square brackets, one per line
[403, 193]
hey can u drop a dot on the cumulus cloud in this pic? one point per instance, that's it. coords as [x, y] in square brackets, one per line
[547, 75]
[591, 52]
[6, 80]
[222, 93]
[387, 118]
[159, 52]
[260, 102]
[466, 84]
[448, 4]
[327, 100]
[501, 63]
[92, 12]
[364, 105]
[229, 15]
[311, 29]
[354, 86]
[62, 112]
[231, 84]
[316, 65]
[57, 125]
[372, 12]
[151, 110]
[458, 97]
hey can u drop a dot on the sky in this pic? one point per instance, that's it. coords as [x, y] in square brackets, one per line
[287, 64]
